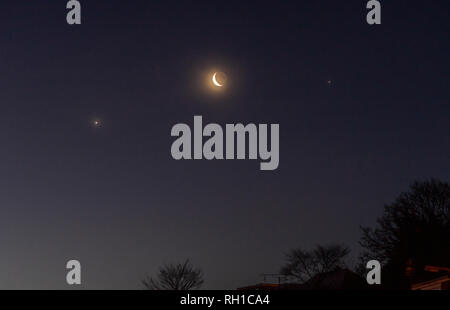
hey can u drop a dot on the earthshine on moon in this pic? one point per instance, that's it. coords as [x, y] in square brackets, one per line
[215, 80]
[219, 80]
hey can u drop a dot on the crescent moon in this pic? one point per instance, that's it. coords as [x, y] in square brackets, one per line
[215, 81]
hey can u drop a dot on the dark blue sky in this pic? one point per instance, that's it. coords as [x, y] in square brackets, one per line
[114, 198]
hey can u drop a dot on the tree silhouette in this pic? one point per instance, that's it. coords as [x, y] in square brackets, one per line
[413, 230]
[182, 276]
[303, 265]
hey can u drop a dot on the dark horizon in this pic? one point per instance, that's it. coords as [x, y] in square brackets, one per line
[363, 113]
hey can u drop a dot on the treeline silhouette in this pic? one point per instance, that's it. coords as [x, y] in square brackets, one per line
[412, 232]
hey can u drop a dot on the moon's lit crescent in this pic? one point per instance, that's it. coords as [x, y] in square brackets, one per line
[215, 81]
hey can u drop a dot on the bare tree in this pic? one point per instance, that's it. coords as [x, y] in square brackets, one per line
[182, 276]
[303, 265]
[413, 230]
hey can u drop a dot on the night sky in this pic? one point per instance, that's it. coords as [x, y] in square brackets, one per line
[113, 197]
